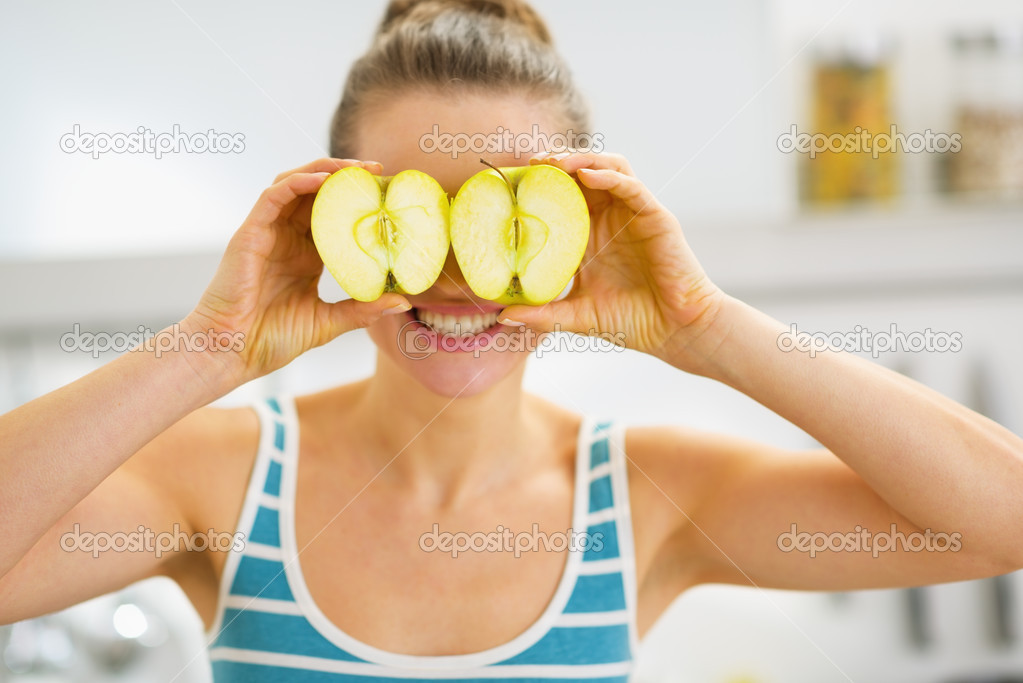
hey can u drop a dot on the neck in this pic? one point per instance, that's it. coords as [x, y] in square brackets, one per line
[445, 447]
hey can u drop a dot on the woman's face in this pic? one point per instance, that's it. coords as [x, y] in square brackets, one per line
[392, 132]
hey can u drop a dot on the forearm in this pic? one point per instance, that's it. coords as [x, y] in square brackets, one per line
[56, 449]
[934, 461]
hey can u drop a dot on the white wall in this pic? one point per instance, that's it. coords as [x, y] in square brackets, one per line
[275, 75]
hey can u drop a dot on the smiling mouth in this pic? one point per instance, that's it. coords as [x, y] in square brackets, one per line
[450, 325]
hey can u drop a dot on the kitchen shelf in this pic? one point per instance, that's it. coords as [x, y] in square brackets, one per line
[947, 247]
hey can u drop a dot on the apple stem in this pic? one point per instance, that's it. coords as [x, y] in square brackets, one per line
[500, 173]
[515, 219]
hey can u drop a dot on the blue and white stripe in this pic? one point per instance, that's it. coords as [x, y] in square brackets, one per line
[268, 628]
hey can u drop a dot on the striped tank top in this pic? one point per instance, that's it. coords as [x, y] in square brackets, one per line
[268, 628]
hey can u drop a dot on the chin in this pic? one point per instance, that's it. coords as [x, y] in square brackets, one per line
[442, 372]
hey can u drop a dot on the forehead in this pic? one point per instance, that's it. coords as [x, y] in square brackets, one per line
[445, 136]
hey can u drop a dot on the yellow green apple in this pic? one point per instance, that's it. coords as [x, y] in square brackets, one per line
[379, 234]
[519, 233]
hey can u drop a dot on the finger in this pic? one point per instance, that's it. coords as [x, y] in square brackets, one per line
[567, 315]
[345, 316]
[329, 165]
[626, 188]
[279, 199]
[570, 162]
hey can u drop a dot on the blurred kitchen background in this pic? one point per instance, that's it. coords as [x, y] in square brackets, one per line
[699, 96]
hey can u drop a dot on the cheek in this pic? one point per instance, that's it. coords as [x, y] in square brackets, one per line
[387, 331]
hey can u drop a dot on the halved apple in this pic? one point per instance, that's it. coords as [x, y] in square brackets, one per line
[381, 234]
[519, 233]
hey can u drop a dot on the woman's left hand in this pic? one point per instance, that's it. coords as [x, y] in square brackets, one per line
[639, 283]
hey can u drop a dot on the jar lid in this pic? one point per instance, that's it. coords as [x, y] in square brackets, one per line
[860, 48]
[1003, 39]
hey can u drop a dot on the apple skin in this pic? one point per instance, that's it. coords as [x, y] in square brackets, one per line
[533, 263]
[379, 234]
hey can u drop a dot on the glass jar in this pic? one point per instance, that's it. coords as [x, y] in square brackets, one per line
[989, 113]
[850, 108]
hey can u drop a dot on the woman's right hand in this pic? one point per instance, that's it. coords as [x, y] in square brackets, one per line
[264, 293]
[110, 451]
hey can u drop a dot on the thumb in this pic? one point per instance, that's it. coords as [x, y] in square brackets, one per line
[350, 314]
[554, 316]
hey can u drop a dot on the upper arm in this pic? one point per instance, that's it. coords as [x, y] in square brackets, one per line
[121, 532]
[745, 513]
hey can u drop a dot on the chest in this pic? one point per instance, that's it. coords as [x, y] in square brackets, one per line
[406, 579]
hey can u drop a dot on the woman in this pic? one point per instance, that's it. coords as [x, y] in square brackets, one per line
[351, 505]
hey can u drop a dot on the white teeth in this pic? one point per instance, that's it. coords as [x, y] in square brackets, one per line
[463, 325]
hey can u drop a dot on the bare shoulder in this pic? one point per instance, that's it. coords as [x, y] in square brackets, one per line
[203, 462]
[674, 473]
[688, 465]
[685, 461]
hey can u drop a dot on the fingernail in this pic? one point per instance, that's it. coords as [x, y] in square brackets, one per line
[539, 155]
[560, 155]
[399, 308]
[510, 322]
[373, 163]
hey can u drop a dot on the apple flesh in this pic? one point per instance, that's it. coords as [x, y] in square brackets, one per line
[381, 234]
[519, 233]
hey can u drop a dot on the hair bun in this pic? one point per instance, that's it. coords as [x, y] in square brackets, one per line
[515, 11]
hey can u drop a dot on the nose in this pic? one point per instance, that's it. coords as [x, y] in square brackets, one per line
[451, 283]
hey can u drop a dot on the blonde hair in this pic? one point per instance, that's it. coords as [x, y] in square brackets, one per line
[475, 46]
